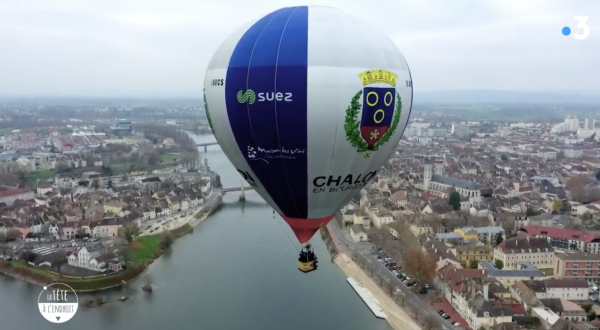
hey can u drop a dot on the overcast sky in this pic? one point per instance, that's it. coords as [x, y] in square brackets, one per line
[162, 48]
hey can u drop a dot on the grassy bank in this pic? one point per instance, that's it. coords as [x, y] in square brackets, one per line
[42, 276]
[144, 251]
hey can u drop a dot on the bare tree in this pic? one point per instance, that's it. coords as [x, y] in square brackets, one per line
[13, 234]
[9, 179]
[420, 265]
[431, 323]
[417, 313]
[576, 181]
[579, 194]
[125, 254]
[4, 249]
[402, 299]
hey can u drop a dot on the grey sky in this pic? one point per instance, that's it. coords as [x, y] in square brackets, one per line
[162, 48]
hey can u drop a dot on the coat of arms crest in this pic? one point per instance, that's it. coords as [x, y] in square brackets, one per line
[380, 111]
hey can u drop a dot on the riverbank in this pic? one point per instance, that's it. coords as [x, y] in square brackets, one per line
[144, 251]
[396, 316]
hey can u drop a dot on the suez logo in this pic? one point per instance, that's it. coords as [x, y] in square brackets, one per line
[585, 29]
[249, 96]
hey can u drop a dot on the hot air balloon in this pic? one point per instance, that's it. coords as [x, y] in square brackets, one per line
[307, 103]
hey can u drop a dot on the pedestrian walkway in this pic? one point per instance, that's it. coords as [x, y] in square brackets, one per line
[397, 317]
[341, 247]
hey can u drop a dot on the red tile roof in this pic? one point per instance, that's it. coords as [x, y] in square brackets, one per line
[553, 232]
[12, 192]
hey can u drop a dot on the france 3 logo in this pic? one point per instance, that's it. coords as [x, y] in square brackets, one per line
[581, 26]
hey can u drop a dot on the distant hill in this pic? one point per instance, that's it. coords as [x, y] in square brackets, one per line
[499, 96]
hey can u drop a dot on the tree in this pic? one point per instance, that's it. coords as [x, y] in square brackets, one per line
[592, 316]
[598, 175]
[419, 265]
[509, 225]
[556, 206]
[431, 323]
[504, 158]
[27, 256]
[499, 264]
[166, 240]
[576, 181]
[109, 184]
[62, 167]
[401, 299]
[125, 254]
[9, 179]
[380, 237]
[95, 184]
[153, 159]
[58, 266]
[530, 212]
[129, 232]
[578, 194]
[13, 234]
[473, 264]
[81, 233]
[454, 200]
[124, 178]
[417, 313]
[499, 239]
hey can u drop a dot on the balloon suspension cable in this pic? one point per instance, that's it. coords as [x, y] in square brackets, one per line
[286, 233]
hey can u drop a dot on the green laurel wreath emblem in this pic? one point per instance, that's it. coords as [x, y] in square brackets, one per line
[208, 113]
[352, 126]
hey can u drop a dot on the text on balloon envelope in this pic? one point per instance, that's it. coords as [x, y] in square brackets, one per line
[334, 183]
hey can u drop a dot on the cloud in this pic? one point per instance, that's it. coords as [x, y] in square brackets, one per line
[154, 47]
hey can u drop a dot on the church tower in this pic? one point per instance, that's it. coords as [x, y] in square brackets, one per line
[427, 176]
[439, 169]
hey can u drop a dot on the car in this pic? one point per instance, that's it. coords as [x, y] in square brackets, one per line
[440, 312]
[456, 324]
[446, 316]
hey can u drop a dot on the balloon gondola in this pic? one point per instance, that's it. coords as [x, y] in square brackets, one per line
[307, 261]
[307, 103]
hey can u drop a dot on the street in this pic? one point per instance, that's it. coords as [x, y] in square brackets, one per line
[413, 300]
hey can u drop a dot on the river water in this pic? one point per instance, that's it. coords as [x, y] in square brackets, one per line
[237, 271]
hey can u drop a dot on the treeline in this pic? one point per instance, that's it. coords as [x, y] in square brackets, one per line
[153, 132]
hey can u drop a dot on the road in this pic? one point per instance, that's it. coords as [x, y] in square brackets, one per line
[366, 251]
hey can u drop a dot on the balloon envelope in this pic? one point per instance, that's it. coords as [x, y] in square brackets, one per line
[308, 103]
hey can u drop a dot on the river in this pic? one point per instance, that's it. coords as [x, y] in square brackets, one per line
[237, 271]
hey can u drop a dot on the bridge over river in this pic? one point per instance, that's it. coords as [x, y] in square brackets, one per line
[241, 189]
[206, 145]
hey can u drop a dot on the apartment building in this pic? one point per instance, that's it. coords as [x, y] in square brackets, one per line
[566, 239]
[578, 265]
[515, 251]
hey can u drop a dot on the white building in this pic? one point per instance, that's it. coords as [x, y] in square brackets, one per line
[571, 123]
[589, 123]
[89, 257]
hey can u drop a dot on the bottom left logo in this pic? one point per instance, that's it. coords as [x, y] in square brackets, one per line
[58, 302]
